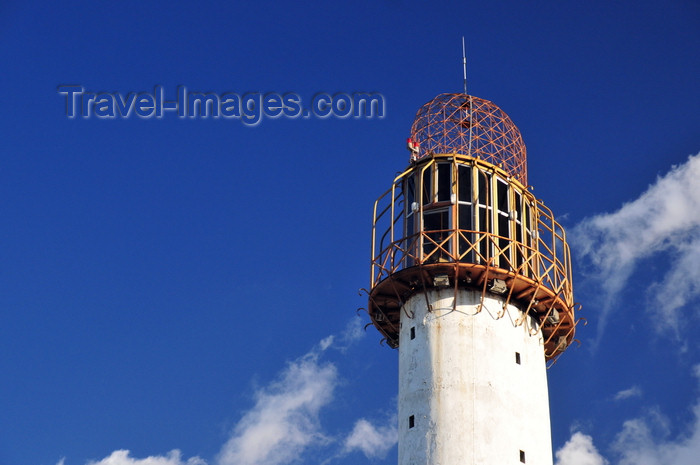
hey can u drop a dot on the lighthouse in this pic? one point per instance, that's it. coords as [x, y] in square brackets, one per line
[471, 282]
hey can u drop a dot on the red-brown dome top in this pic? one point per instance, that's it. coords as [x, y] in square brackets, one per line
[460, 123]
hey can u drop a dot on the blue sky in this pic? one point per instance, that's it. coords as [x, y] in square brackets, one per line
[190, 285]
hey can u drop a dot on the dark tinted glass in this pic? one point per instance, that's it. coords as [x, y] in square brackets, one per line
[465, 183]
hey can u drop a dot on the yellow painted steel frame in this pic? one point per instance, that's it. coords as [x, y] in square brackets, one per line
[536, 269]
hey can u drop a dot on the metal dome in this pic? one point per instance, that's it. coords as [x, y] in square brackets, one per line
[461, 123]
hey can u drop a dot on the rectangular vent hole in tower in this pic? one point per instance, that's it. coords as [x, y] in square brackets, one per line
[522, 456]
[411, 421]
[517, 358]
[413, 332]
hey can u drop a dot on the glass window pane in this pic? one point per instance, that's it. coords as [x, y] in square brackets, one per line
[504, 233]
[502, 193]
[444, 182]
[466, 223]
[482, 187]
[527, 224]
[519, 251]
[436, 224]
[465, 184]
[483, 220]
[465, 217]
[527, 220]
[434, 220]
[484, 248]
[503, 229]
[427, 186]
[410, 188]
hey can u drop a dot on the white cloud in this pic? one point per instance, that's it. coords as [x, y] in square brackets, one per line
[373, 441]
[646, 442]
[353, 331]
[326, 342]
[634, 391]
[664, 219]
[121, 457]
[642, 441]
[680, 285]
[579, 450]
[282, 424]
[284, 421]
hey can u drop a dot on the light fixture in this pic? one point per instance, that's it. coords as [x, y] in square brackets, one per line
[553, 317]
[562, 343]
[441, 280]
[498, 286]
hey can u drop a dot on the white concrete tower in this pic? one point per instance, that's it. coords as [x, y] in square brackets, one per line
[471, 281]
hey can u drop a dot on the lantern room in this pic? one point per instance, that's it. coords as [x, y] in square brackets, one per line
[461, 215]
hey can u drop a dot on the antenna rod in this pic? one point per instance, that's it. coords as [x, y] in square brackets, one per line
[464, 64]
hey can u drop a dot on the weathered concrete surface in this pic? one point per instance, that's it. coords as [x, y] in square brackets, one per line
[471, 402]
